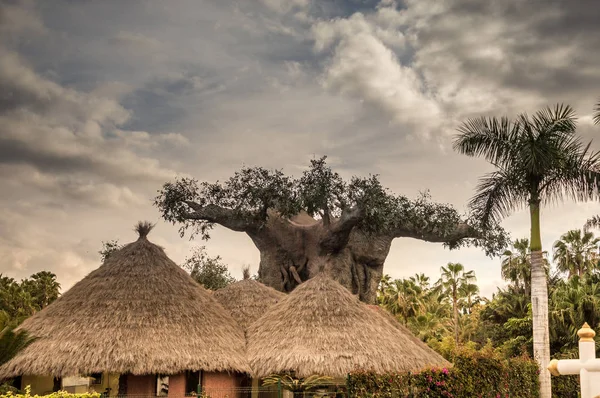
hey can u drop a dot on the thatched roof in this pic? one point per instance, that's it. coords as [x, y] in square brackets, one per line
[419, 344]
[247, 300]
[138, 313]
[321, 328]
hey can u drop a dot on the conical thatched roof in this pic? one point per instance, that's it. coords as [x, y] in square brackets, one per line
[321, 328]
[426, 351]
[138, 313]
[247, 300]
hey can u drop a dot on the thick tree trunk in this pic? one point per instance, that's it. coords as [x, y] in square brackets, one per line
[539, 304]
[293, 251]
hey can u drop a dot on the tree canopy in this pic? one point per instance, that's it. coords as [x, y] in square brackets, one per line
[19, 300]
[245, 201]
[208, 271]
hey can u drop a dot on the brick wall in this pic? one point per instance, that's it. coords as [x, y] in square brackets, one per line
[221, 385]
[141, 385]
[177, 386]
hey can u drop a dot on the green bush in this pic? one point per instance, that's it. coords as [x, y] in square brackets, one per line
[59, 394]
[480, 374]
[565, 386]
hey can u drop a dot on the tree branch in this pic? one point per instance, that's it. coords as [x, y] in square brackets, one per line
[457, 232]
[339, 231]
[234, 220]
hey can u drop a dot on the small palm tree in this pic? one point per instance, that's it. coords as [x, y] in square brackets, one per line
[402, 298]
[452, 279]
[11, 342]
[576, 253]
[421, 280]
[516, 265]
[469, 293]
[539, 159]
[296, 384]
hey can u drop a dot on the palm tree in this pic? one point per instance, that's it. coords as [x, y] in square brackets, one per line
[469, 293]
[516, 265]
[421, 280]
[452, 279]
[538, 159]
[12, 342]
[575, 301]
[296, 384]
[402, 298]
[576, 253]
[44, 288]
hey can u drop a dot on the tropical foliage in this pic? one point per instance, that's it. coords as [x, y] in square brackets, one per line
[59, 394]
[539, 159]
[576, 252]
[19, 300]
[208, 271]
[296, 384]
[476, 373]
[11, 342]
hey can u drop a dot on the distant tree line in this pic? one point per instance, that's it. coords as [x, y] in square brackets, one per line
[450, 311]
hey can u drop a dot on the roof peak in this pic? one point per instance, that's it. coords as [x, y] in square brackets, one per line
[143, 228]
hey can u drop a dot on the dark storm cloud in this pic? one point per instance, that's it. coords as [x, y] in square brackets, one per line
[545, 47]
[102, 101]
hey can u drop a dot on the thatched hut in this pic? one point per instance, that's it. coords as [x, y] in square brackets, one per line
[135, 319]
[247, 300]
[322, 329]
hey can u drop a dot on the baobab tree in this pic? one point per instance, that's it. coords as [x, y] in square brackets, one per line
[319, 222]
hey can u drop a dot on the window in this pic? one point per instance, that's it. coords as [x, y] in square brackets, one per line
[95, 379]
[162, 386]
[192, 380]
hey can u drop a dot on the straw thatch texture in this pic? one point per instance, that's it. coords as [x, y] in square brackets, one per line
[321, 328]
[247, 300]
[138, 313]
[426, 351]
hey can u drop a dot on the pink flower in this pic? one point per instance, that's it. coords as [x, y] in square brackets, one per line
[445, 371]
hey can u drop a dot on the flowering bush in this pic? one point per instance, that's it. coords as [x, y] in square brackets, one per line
[474, 374]
[59, 394]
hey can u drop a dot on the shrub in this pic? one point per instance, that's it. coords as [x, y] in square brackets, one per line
[479, 374]
[566, 386]
[59, 394]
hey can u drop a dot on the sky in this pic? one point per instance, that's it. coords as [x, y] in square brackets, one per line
[101, 102]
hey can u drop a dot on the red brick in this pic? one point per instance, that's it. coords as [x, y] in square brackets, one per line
[177, 386]
[221, 385]
[142, 386]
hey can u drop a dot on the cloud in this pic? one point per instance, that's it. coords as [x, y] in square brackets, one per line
[99, 106]
[62, 130]
[505, 56]
[363, 65]
[135, 41]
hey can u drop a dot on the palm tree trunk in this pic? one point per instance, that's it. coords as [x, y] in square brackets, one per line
[455, 305]
[539, 304]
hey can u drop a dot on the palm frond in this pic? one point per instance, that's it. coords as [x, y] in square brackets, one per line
[490, 138]
[597, 113]
[546, 136]
[577, 177]
[555, 122]
[498, 194]
[593, 222]
[11, 342]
